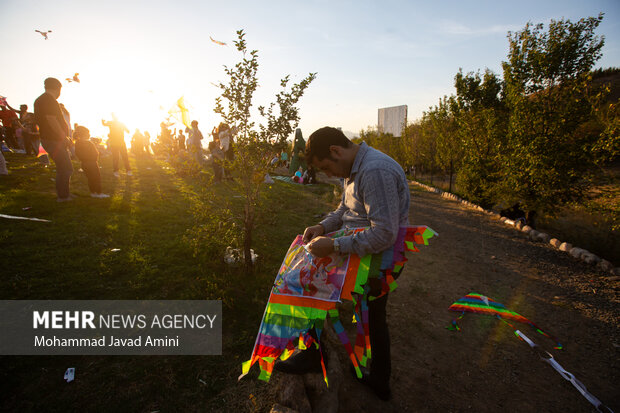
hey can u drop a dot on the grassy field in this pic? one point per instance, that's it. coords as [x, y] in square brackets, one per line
[160, 224]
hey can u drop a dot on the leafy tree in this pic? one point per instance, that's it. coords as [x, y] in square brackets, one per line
[254, 149]
[547, 85]
[413, 147]
[428, 145]
[480, 116]
[383, 142]
[440, 123]
[282, 115]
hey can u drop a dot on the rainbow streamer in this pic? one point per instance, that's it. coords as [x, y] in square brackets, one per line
[288, 318]
[481, 304]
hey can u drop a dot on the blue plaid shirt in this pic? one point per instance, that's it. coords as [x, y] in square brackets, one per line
[375, 195]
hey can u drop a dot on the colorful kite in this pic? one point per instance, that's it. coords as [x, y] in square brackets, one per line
[481, 304]
[184, 112]
[75, 78]
[303, 275]
[307, 289]
[217, 41]
[44, 34]
[41, 151]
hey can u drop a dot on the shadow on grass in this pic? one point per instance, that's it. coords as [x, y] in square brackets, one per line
[132, 246]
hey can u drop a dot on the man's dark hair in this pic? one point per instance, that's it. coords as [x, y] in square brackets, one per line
[52, 83]
[320, 141]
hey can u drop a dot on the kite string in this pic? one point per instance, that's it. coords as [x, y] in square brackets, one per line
[548, 358]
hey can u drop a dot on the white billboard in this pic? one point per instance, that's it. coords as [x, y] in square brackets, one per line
[392, 120]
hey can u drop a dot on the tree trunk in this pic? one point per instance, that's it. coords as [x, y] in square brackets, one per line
[247, 236]
[450, 184]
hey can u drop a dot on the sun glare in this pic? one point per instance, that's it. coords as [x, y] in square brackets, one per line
[137, 101]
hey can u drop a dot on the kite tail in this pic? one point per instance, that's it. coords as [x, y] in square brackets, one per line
[558, 346]
[344, 339]
[453, 325]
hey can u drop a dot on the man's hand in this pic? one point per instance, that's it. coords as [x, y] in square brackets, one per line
[311, 232]
[321, 246]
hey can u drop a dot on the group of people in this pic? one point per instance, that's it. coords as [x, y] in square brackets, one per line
[49, 128]
[222, 152]
[48, 132]
[20, 130]
[55, 135]
[141, 143]
[375, 196]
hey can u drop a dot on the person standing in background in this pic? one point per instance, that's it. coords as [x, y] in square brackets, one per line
[54, 134]
[117, 144]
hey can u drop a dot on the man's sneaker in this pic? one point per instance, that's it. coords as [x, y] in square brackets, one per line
[94, 195]
[103, 196]
[67, 199]
[129, 173]
[306, 361]
[116, 174]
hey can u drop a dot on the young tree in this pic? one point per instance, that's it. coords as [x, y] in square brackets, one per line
[480, 115]
[255, 149]
[412, 147]
[442, 124]
[545, 163]
[427, 145]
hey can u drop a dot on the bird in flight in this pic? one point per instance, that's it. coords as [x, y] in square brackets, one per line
[44, 34]
[217, 41]
[75, 78]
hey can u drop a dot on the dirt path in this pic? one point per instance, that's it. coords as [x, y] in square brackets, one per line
[484, 367]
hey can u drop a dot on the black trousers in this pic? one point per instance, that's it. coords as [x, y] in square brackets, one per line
[91, 169]
[380, 362]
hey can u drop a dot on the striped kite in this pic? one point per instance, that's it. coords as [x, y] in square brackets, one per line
[307, 289]
[481, 304]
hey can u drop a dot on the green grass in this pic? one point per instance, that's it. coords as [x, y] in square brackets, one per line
[150, 218]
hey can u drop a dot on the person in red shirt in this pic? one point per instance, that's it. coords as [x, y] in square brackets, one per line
[8, 117]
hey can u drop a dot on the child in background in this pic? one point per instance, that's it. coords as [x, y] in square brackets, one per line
[87, 153]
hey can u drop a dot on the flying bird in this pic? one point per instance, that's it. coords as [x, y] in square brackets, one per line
[217, 41]
[44, 34]
[75, 78]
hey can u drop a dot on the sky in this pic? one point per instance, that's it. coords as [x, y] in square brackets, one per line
[136, 58]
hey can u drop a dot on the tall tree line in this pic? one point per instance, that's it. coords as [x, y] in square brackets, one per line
[538, 135]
